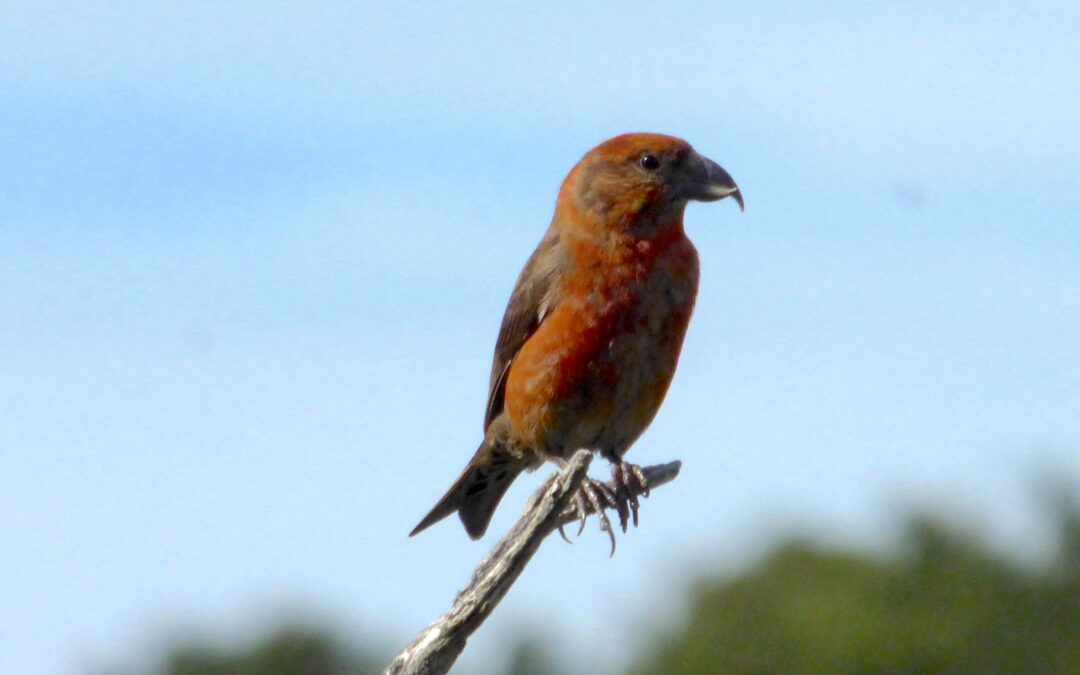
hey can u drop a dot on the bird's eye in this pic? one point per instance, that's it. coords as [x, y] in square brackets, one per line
[649, 162]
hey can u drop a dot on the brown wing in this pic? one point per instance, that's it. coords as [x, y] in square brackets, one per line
[529, 304]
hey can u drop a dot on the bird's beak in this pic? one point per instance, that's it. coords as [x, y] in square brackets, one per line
[712, 183]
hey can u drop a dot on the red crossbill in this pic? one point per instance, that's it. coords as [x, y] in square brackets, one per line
[593, 330]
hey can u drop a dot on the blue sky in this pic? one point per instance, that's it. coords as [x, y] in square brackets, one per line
[253, 259]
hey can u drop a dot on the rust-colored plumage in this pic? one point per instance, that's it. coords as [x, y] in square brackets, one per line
[592, 333]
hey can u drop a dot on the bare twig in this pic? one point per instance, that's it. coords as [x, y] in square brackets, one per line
[436, 648]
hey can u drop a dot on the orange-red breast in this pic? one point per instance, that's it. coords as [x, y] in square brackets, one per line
[594, 326]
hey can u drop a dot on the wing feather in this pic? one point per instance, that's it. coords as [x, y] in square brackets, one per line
[528, 306]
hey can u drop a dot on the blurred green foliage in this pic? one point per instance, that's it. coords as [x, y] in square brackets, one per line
[292, 650]
[941, 602]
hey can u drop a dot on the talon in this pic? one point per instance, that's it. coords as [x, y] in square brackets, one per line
[579, 500]
[612, 501]
[598, 497]
[624, 512]
[562, 533]
[593, 495]
[628, 480]
[605, 526]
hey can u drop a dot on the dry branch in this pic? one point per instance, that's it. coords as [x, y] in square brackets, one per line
[436, 648]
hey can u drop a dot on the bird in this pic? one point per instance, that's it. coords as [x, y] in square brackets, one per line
[591, 335]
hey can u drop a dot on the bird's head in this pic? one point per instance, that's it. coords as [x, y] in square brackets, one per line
[645, 174]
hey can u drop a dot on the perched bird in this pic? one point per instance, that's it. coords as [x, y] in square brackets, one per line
[592, 333]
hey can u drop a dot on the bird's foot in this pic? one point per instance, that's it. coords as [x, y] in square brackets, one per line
[628, 481]
[595, 496]
[621, 494]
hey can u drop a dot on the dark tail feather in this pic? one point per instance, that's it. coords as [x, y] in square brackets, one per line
[477, 491]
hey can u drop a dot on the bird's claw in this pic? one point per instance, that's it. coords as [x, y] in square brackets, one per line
[621, 494]
[629, 481]
[562, 533]
[594, 497]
